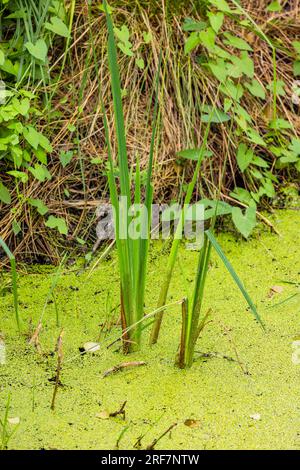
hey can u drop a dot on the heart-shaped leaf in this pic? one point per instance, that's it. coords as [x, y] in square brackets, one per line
[38, 50]
[244, 157]
[57, 222]
[193, 154]
[216, 20]
[4, 194]
[57, 26]
[245, 223]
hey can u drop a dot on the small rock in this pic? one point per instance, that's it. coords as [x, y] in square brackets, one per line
[14, 421]
[255, 416]
[192, 423]
[275, 290]
[91, 347]
[102, 415]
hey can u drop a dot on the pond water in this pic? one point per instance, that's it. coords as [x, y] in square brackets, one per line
[242, 391]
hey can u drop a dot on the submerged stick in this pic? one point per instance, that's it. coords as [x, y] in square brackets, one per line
[125, 336]
[181, 354]
[152, 446]
[121, 411]
[34, 340]
[58, 368]
[122, 366]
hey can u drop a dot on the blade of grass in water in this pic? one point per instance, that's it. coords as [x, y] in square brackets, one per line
[234, 275]
[12, 261]
[191, 324]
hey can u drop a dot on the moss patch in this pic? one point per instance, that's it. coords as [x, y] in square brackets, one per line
[216, 391]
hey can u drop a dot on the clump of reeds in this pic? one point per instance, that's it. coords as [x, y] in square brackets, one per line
[132, 250]
[192, 320]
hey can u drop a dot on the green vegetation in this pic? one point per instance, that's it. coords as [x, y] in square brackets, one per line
[107, 108]
[132, 250]
[239, 370]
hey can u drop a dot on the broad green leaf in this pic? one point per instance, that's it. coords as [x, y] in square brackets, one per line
[237, 42]
[242, 195]
[295, 146]
[207, 38]
[38, 50]
[280, 123]
[66, 157]
[227, 104]
[216, 20]
[244, 156]
[269, 188]
[192, 41]
[211, 209]
[217, 116]
[221, 5]
[4, 194]
[140, 63]
[219, 70]
[280, 87]
[109, 8]
[57, 222]
[258, 161]
[44, 142]
[232, 90]
[17, 155]
[147, 36]
[274, 6]
[41, 155]
[255, 137]
[126, 48]
[9, 67]
[21, 106]
[192, 25]
[2, 57]
[296, 45]
[193, 154]
[18, 14]
[246, 222]
[57, 26]
[16, 227]
[240, 65]
[23, 177]
[40, 172]
[296, 68]
[32, 136]
[122, 34]
[247, 64]
[39, 205]
[256, 89]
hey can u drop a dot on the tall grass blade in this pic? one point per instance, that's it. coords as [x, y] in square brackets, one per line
[234, 275]
[12, 261]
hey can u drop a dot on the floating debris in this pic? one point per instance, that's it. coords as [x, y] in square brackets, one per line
[123, 366]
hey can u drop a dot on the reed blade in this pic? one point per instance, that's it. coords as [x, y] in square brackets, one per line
[13, 267]
[234, 275]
